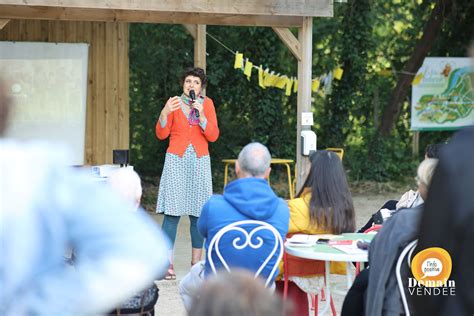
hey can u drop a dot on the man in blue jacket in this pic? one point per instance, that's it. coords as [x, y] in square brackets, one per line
[247, 198]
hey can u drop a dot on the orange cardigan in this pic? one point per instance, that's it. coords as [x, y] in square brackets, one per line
[182, 134]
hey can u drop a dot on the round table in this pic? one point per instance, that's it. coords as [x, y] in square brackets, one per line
[326, 253]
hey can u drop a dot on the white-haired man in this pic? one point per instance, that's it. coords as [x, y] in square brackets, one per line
[247, 198]
[127, 183]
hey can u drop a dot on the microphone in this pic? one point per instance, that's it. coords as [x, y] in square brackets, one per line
[192, 94]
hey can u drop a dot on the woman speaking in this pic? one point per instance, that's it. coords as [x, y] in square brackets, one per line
[190, 122]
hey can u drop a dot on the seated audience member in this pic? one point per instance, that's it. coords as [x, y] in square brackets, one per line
[47, 208]
[448, 222]
[382, 296]
[324, 205]
[247, 198]
[237, 294]
[127, 184]
[409, 199]
[434, 150]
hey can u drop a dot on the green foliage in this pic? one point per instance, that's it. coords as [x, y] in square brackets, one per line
[157, 54]
[365, 36]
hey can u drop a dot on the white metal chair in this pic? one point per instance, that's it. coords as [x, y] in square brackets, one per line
[407, 250]
[239, 243]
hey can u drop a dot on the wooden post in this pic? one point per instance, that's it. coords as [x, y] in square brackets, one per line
[416, 143]
[305, 37]
[198, 33]
[200, 47]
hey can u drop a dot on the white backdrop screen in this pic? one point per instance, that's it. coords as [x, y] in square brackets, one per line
[48, 85]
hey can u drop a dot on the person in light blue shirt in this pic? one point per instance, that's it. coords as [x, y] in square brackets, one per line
[47, 208]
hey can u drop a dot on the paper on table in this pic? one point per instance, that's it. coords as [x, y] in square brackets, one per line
[303, 239]
[351, 249]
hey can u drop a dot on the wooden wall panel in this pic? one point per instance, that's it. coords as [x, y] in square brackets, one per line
[107, 113]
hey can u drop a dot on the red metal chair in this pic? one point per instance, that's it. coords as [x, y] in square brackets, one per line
[290, 270]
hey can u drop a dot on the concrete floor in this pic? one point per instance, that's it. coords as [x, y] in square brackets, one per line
[170, 303]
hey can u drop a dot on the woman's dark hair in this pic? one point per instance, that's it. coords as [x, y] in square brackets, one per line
[195, 72]
[331, 204]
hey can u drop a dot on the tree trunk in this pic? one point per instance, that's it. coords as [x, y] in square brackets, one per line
[430, 32]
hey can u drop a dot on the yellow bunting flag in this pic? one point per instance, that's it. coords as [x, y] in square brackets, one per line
[260, 77]
[315, 85]
[273, 79]
[281, 82]
[338, 73]
[295, 86]
[267, 79]
[417, 79]
[248, 69]
[289, 83]
[239, 60]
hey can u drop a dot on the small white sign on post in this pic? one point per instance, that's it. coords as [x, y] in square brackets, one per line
[307, 119]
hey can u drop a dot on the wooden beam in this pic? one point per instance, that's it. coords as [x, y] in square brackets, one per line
[234, 7]
[305, 36]
[289, 40]
[200, 47]
[3, 23]
[108, 15]
[191, 28]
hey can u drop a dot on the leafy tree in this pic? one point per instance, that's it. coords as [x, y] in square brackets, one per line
[373, 40]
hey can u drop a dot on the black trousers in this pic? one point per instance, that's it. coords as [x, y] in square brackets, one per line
[354, 302]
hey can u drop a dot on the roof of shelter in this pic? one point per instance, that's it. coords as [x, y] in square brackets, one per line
[277, 13]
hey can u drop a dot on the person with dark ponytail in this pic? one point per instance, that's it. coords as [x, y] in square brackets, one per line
[323, 206]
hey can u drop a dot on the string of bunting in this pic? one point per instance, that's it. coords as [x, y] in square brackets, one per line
[267, 78]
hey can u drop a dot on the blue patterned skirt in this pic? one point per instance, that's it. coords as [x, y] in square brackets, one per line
[185, 184]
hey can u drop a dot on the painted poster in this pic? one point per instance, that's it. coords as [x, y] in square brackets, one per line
[443, 94]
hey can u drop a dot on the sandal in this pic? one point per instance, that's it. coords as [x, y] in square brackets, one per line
[170, 275]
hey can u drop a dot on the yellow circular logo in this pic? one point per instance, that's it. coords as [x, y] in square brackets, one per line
[431, 267]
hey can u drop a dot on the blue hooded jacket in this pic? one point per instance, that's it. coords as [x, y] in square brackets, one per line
[244, 199]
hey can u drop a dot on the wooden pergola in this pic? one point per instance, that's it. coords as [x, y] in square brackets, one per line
[104, 24]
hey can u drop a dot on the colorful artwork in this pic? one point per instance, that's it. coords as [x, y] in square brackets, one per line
[443, 94]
